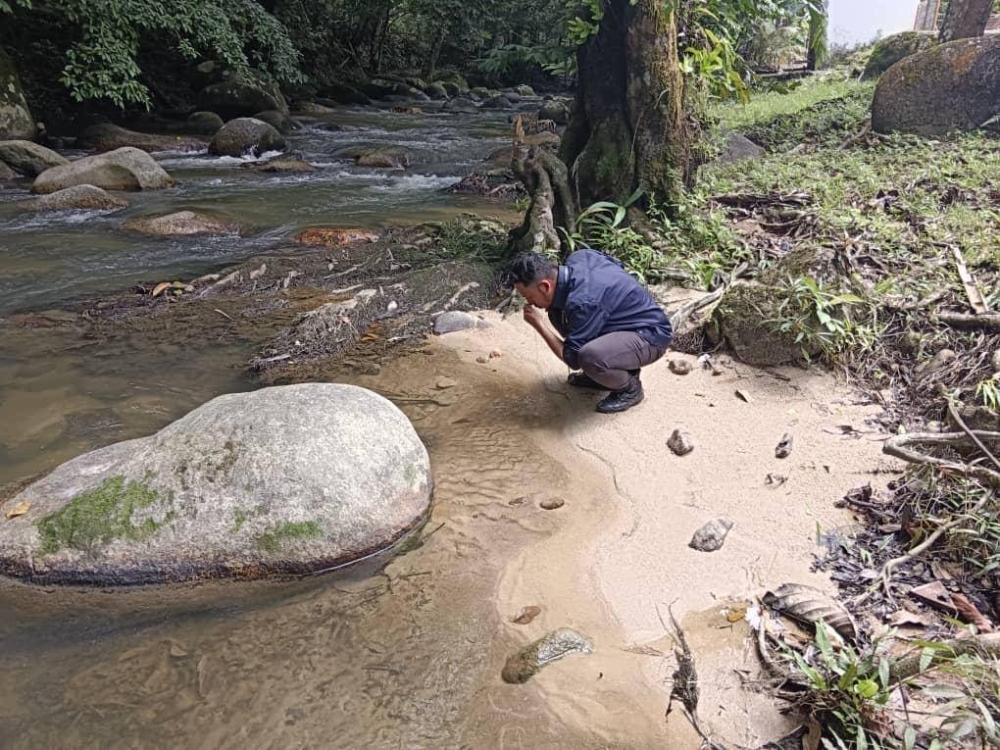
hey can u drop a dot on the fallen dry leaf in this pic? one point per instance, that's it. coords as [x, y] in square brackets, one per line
[19, 510]
[161, 288]
[527, 614]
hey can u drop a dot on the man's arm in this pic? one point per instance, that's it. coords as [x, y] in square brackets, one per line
[536, 318]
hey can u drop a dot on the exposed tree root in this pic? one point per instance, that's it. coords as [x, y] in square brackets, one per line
[986, 321]
[552, 204]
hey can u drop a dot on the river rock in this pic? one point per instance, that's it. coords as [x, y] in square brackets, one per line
[380, 88]
[480, 92]
[281, 480]
[280, 121]
[527, 662]
[525, 90]
[122, 169]
[206, 123]
[680, 367]
[6, 173]
[497, 102]
[284, 164]
[16, 122]
[78, 197]
[711, 536]
[241, 98]
[436, 91]
[556, 111]
[107, 137]
[680, 443]
[451, 321]
[889, 51]
[335, 237]
[28, 158]
[312, 108]
[385, 157]
[954, 86]
[246, 135]
[459, 104]
[181, 223]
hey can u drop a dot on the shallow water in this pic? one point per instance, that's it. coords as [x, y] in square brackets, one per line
[47, 259]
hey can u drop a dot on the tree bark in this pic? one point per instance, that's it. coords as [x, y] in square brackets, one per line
[965, 18]
[630, 127]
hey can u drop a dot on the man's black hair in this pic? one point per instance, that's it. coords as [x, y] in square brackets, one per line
[531, 267]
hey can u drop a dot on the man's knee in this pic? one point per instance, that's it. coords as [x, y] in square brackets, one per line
[592, 359]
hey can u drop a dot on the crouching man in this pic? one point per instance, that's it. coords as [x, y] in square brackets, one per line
[610, 325]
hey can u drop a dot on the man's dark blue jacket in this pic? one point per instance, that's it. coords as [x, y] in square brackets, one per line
[595, 296]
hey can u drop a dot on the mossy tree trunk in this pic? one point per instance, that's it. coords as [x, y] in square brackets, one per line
[631, 126]
[965, 18]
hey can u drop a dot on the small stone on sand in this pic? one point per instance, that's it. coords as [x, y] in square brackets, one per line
[680, 443]
[444, 382]
[680, 367]
[552, 503]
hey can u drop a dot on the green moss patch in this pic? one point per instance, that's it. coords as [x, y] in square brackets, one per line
[99, 516]
[276, 536]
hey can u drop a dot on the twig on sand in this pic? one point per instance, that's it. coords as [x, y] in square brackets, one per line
[224, 315]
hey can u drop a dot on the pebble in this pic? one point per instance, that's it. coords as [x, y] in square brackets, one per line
[523, 665]
[784, 448]
[711, 536]
[552, 503]
[482, 360]
[496, 354]
[444, 382]
[680, 367]
[526, 615]
[680, 443]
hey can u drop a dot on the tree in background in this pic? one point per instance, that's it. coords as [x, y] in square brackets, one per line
[965, 18]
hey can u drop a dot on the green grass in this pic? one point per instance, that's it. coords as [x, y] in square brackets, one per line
[765, 107]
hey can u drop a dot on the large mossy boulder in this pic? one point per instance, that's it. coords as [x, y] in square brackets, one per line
[342, 93]
[241, 98]
[122, 169]
[28, 158]
[246, 135]
[16, 122]
[280, 121]
[278, 481]
[76, 198]
[954, 86]
[107, 137]
[889, 51]
[437, 91]
[556, 111]
[205, 123]
[380, 88]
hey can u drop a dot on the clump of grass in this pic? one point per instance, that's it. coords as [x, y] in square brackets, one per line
[99, 516]
[276, 536]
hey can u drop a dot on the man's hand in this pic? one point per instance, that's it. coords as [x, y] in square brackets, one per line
[534, 316]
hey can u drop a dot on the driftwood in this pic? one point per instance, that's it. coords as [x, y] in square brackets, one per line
[552, 204]
[986, 321]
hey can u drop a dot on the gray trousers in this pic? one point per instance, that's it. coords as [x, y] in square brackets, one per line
[608, 358]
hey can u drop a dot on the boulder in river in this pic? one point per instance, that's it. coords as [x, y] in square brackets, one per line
[246, 135]
[181, 223]
[107, 137]
[312, 108]
[459, 104]
[278, 120]
[78, 197]
[954, 86]
[380, 157]
[380, 88]
[282, 480]
[28, 158]
[335, 237]
[122, 169]
[889, 51]
[284, 164]
[16, 122]
[525, 90]
[437, 91]
[241, 98]
[206, 123]
[6, 173]
[556, 111]
[498, 102]
[341, 93]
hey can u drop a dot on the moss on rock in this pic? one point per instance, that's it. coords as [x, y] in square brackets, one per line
[892, 49]
[101, 515]
[276, 536]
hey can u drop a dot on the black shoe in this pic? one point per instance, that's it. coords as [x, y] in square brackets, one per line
[626, 398]
[582, 380]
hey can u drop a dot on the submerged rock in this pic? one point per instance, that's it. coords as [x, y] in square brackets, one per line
[281, 480]
[526, 663]
[245, 135]
[79, 197]
[181, 223]
[954, 86]
[335, 237]
[286, 163]
[28, 158]
[122, 169]
[711, 536]
[107, 137]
